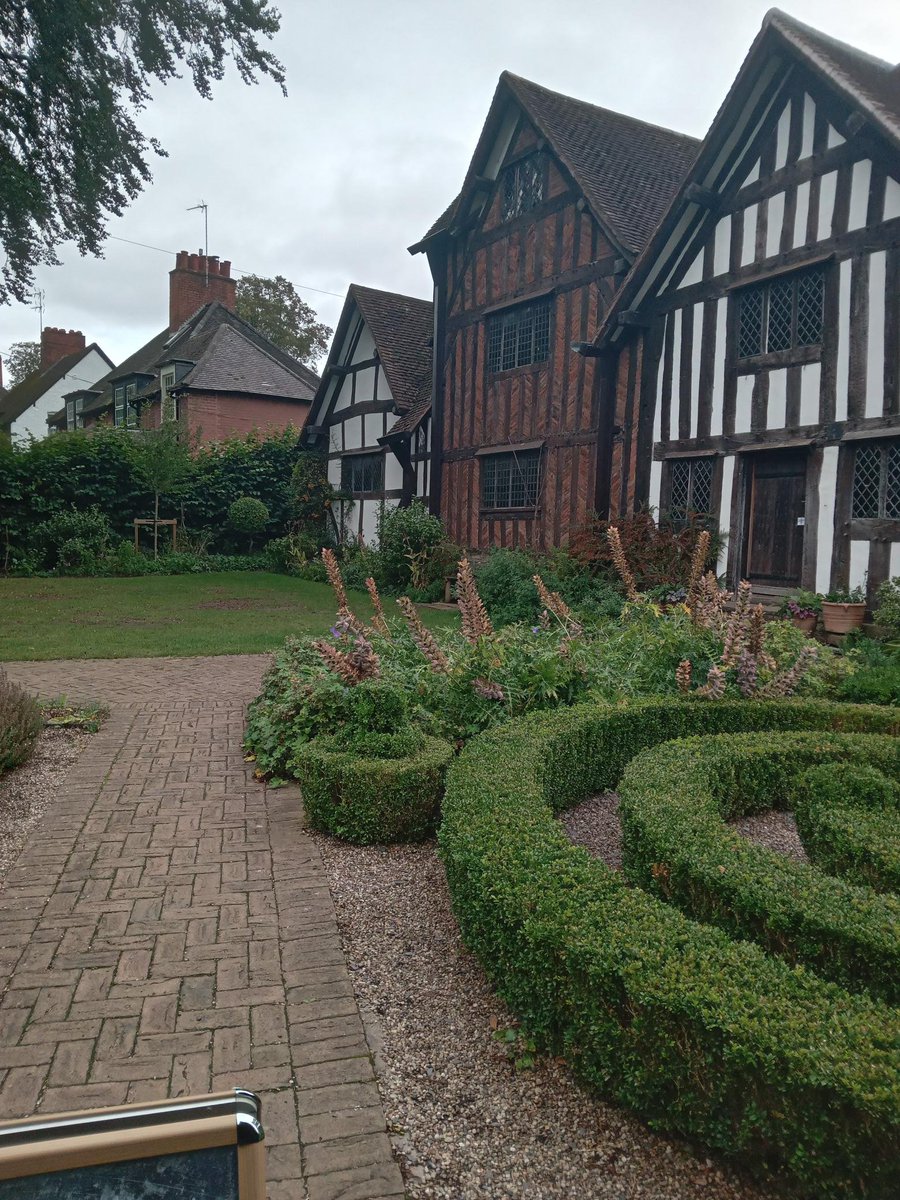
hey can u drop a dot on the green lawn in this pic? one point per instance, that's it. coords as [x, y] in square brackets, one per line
[230, 612]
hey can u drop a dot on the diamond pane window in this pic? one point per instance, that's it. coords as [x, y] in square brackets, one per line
[691, 488]
[782, 315]
[362, 473]
[523, 186]
[876, 481]
[520, 337]
[511, 480]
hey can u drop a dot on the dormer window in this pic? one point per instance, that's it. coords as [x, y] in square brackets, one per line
[74, 419]
[125, 414]
[523, 186]
[169, 402]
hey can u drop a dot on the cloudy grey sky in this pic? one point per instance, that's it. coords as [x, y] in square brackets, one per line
[385, 103]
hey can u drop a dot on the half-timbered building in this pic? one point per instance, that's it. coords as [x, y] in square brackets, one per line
[371, 414]
[753, 354]
[559, 198]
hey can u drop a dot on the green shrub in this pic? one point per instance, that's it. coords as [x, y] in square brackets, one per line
[353, 792]
[72, 539]
[675, 801]
[291, 552]
[506, 583]
[20, 723]
[873, 685]
[708, 1037]
[249, 516]
[407, 540]
[847, 817]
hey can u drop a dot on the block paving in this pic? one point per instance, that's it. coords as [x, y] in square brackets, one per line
[168, 930]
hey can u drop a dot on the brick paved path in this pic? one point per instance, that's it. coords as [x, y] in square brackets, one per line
[169, 930]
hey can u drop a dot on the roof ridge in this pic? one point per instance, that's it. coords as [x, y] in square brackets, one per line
[789, 25]
[363, 287]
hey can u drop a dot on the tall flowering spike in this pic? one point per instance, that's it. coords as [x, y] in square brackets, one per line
[708, 607]
[621, 563]
[738, 631]
[363, 659]
[683, 674]
[786, 683]
[698, 561]
[475, 621]
[338, 662]
[555, 603]
[487, 689]
[335, 578]
[714, 688]
[747, 673]
[757, 632]
[544, 619]
[379, 624]
[423, 638]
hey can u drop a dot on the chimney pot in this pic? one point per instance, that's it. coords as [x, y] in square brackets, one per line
[196, 280]
[57, 343]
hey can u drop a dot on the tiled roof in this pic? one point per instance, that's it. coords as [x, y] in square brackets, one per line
[627, 169]
[411, 419]
[20, 398]
[231, 363]
[402, 327]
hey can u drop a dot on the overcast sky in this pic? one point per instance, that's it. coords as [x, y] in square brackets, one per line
[385, 103]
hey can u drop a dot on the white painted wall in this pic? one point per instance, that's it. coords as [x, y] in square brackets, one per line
[33, 422]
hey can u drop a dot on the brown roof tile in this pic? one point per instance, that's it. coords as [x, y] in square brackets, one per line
[402, 327]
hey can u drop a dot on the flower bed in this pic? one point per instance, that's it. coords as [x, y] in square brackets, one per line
[702, 1035]
[675, 802]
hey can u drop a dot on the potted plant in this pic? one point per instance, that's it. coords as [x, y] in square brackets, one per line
[843, 610]
[803, 609]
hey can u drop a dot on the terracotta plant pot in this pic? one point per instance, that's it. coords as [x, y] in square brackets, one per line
[841, 618]
[807, 624]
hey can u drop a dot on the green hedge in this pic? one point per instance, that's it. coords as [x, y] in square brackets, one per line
[705, 1036]
[371, 800]
[675, 802]
[847, 817]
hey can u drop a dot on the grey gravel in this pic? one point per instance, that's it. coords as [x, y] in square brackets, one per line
[465, 1122]
[776, 831]
[28, 791]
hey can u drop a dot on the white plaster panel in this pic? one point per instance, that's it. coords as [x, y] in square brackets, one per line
[365, 347]
[674, 399]
[370, 511]
[722, 247]
[718, 396]
[365, 386]
[834, 138]
[776, 412]
[748, 248]
[810, 385]
[393, 473]
[696, 359]
[694, 273]
[725, 509]
[353, 433]
[334, 472]
[895, 560]
[801, 215]
[809, 124]
[860, 184]
[655, 484]
[743, 403]
[827, 492]
[891, 199]
[657, 412]
[781, 137]
[334, 439]
[827, 193]
[341, 391]
[775, 222]
[875, 340]
[753, 176]
[843, 335]
[859, 563]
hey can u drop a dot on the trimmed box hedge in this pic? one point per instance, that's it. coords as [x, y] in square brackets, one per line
[675, 802]
[704, 1036]
[847, 817]
[371, 800]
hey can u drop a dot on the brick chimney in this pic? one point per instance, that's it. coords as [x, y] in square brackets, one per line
[195, 281]
[57, 343]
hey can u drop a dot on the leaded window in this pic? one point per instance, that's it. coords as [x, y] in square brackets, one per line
[511, 480]
[523, 186]
[519, 337]
[362, 473]
[785, 314]
[691, 488]
[876, 481]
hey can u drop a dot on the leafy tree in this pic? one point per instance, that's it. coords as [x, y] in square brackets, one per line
[273, 307]
[75, 74]
[248, 515]
[164, 463]
[22, 360]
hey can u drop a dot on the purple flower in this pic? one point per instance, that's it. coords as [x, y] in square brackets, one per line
[335, 632]
[535, 629]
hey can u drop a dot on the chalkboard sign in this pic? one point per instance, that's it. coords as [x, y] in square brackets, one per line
[201, 1148]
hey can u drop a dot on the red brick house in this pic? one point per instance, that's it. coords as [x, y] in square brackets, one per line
[559, 199]
[208, 367]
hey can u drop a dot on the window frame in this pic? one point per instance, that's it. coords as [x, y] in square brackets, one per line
[166, 388]
[74, 419]
[353, 462]
[535, 161]
[888, 496]
[796, 352]
[531, 500]
[125, 410]
[690, 513]
[517, 316]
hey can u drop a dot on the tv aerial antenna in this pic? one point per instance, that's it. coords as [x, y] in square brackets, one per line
[204, 207]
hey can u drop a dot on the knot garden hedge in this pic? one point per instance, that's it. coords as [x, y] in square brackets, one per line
[705, 1034]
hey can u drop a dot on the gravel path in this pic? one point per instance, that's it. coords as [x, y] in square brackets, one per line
[595, 825]
[466, 1124]
[27, 792]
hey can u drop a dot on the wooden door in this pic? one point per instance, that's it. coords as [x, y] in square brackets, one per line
[776, 517]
